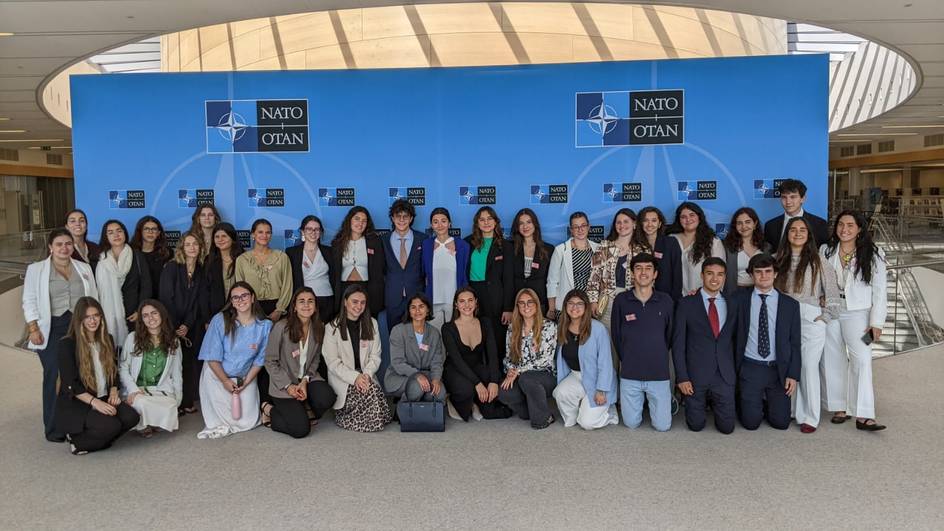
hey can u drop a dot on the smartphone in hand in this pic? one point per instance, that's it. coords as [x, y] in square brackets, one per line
[868, 338]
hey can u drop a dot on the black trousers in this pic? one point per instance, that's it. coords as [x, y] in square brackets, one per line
[528, 396]
[262, 379]
[49, 358]
[487, 312]
[325, 308]
[100, 431]
[289, 416]
[759, 383]
[721, 396]
[462, 394]
[190, 368]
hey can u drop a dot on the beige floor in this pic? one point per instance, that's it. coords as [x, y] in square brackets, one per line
[497, 474]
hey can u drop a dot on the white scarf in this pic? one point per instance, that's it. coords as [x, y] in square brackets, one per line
[110, 275]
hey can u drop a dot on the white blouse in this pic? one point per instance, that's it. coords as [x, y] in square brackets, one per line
[315, 274]
[691, 273]
[101, 385]
[444, 273]
[355, 257]
[743, 277]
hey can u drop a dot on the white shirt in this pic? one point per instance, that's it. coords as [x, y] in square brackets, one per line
[743, 277]
[444, 273]
[720, 304]
[691, 273]
[355, 257]
[101, 385]
[315, 274]
[787, 218]
[751, 351]
[303, 355]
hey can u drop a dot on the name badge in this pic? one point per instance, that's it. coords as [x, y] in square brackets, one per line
[625, 265]
[535, 265]
[499, 257]
[370, 251]
[86, 277]
[657, 254]
[365, 344]
[253, 346]
[631, 317]
[424, 346]
[296, 353]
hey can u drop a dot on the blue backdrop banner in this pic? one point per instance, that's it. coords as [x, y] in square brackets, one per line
[556, 138]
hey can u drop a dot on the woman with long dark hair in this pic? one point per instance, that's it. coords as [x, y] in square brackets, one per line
[83, 249]
[610, 274]
[149, 238]
[293, 356]
[650, 235]
[313, 265]
[51, 289]
[489, 274]
[123, 280]
[89, 410]
[233, 353]
[202, 222]
[183, 293]
[150, 370]
[847, 361]
[570, 264]
[359, 259]
[745, 238]
[444, 259]
[352, 352]
[531, 255]
[220, 266]
[267, 270]
[696, 240]
[804, 275]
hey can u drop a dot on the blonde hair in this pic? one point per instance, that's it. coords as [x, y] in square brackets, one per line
[179, 255]
[517, 323]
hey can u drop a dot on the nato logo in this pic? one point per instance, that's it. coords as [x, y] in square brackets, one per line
[191, 198]
[266, 197]
[126, 199]
[243, 236]
[721, 230]
[336, 197]
[172, 237]
[293, 237]
[415, 195]
[627, 118]
[453, 231]
[622, 192]
[548, 193]
[767, 188]
[596, 233]
[477, 195]
[256, 126]
[697, 190]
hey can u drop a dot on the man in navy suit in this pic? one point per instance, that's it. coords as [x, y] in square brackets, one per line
[768, 348]
[703, 350]
[792, 197]
[403, 277]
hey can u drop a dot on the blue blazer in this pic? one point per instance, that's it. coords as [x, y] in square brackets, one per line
[398, 279]
[669, 256]
[462, 259]
[596, 365]
[787, 342]
[695, 351]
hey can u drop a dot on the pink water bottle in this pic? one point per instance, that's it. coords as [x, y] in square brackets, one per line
[237, 406]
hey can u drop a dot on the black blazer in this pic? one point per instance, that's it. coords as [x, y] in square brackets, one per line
[499, 278]
[185, 300]
[452, 342]
[399, 279]
[94, 251]
[695, 351]
[774, 227]
[155, 264]
[669, 257]
[295, 254]
[70, 411]
[376, 264]
[213, 290]
[787, 343]
[538, 279]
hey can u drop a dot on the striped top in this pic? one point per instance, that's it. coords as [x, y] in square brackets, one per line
[581, 265]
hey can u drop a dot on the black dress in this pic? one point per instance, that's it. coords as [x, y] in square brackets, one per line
[185, 302]
[465, 367]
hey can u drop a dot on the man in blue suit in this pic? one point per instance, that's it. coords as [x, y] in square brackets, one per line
[703, 350]
[768, 348]
[403, 277]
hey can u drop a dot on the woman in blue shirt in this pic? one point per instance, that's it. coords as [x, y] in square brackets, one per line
[233, 351]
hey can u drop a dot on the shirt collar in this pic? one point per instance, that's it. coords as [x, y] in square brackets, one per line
[654, 297]
[788, 217]
[772, 294]
[705, 296]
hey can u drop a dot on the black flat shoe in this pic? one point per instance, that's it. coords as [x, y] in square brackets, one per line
[548, 422]
[865, 426]
[837, 419]
[56, 438]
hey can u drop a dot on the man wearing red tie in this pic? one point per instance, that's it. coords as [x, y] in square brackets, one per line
[703, 350]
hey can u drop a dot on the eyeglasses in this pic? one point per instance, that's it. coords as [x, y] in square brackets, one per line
[526, 303]
[93, 317]
[151, 229]
[575, 304]
[579, 227]
[240, 298]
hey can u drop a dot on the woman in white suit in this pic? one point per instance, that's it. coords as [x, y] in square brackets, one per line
[847, 361]
[150, 369]
[50, 291]
[570, 264]
[352, 352]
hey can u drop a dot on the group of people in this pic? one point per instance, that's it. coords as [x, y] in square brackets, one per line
[774, 322]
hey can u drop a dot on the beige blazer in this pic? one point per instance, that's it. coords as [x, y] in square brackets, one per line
[339, 356]
[282, 358]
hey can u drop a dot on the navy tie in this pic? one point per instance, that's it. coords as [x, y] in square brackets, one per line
[763, 334]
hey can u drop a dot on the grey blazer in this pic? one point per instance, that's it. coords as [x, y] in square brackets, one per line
[407, 358]
[282, 365]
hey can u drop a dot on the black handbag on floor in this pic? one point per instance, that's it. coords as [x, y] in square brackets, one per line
[421, 416]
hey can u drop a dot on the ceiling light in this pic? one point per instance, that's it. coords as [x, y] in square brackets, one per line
[21, 140]
[7, 119]
[12, 130]
[5, 34]
[910, 126]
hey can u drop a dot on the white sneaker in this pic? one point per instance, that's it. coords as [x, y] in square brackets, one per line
[451, 409]
[476, 414]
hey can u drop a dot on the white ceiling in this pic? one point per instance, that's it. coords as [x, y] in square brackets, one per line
[50, 35]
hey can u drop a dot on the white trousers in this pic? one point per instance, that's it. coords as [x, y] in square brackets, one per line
[156, 410]
[216, 404]
[442, 314]
[813, 342]
[847, 366]
[577, 408]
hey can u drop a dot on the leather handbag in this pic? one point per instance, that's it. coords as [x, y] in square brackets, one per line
[421, 416]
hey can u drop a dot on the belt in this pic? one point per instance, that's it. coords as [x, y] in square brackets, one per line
[761, 363]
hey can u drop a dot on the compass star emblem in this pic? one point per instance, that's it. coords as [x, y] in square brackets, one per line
[232, 126]
[602, 119]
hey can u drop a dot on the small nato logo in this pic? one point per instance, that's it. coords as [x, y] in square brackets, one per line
[453, 231]
[172, 237]
[548, 194]
[126, 199]
[192, 197]
[477, 195]
[266, 197]
[337, 197]
[697, 190]
[622, 192]
[721, 230]
[292, 237]
[767, 188]
[596, 233]
[243, 235]
[416, 195]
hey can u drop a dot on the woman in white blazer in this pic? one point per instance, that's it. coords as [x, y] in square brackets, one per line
[50, 291]
[352, 352]
[150, 369]
[570, 264]
[847, 361]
